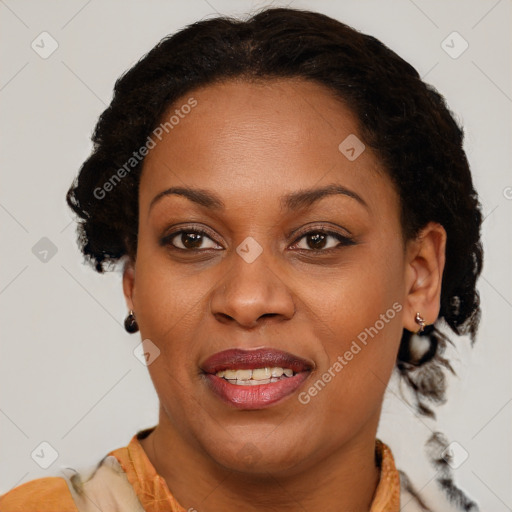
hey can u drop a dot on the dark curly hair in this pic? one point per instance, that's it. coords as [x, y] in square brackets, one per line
[405, 121]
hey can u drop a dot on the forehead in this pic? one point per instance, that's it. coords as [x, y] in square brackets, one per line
[256, 140]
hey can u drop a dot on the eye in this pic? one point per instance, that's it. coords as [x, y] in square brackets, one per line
[322, 240]
[317, 240]
[190, 240]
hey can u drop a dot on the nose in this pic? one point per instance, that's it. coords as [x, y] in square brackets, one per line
[251, 294]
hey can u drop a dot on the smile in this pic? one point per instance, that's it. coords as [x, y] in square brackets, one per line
[255, 379]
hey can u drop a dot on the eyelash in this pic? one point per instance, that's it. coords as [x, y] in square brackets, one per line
[344, 240]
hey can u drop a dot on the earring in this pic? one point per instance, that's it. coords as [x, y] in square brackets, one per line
[130, 324]
[421, 322]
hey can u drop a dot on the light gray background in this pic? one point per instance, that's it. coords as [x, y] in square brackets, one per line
[68, 375]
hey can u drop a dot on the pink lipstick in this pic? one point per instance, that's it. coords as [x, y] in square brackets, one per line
[255, 379]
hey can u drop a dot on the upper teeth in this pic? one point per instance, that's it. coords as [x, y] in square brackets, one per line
[259, 374]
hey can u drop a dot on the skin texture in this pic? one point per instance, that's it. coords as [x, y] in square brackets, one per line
[250, 144]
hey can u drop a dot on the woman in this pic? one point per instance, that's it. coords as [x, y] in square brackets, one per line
[295, 216]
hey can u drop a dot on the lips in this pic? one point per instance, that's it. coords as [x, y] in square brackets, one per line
[238, 359]
[256, 396]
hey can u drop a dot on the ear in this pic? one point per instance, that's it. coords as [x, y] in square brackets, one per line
[129, 283]
[425, 259]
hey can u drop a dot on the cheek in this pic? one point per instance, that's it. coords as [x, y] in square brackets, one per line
[170, 302]
[346, 393]
[166, 294]
[169, 306]
[361, 321]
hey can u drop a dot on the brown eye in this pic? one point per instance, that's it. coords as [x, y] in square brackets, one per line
[316, 240]
[190, 240]
[322, 240]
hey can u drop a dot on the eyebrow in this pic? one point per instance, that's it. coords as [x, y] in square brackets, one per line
[292, 201]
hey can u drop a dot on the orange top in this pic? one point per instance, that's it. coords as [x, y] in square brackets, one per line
[52, 494]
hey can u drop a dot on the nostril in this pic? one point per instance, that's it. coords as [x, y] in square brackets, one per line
[269, 315]
[223, 317]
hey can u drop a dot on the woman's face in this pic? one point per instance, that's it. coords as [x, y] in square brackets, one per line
[282, 265]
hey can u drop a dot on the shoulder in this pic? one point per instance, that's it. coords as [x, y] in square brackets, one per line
[102, 487]
[42, 495]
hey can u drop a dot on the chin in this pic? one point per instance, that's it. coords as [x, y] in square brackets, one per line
[261, 456]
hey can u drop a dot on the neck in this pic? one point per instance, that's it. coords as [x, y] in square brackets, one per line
[342, 480]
